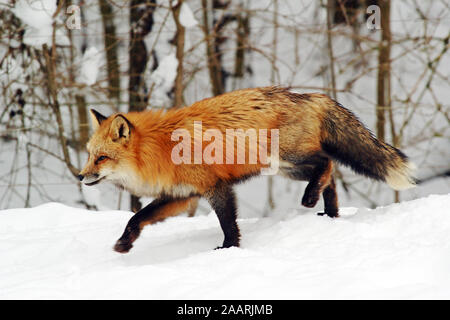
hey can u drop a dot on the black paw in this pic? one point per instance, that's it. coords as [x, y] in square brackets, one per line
[223, 247]
[310, 200]
[123, 246]
[330, 214]
[228, 245]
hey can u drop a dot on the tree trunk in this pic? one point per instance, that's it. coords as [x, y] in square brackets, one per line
[141, 23]
[384, 79]
[384, 69]
[241, 65]
[212, 51]
[179, 43]
[242, 32]
[330, 10]
[270, 191]
[83, 128]
[111, 48]
[52, 93]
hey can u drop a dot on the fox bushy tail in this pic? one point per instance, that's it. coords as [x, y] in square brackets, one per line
[348, 141]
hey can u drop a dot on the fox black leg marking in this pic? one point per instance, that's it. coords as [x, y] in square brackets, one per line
[331, 201]
[157, 210]
[134, 226]
[319, 178]
[223, 201]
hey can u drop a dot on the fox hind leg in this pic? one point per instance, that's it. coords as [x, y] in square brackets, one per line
[330, 200]
[317, 169]
[223, 200]
[319, 179]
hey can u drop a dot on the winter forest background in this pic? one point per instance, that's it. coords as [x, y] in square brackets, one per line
[60, 58]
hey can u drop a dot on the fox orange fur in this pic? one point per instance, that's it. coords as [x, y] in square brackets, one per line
[134, 151]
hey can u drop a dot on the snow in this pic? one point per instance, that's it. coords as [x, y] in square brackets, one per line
[187, 18]
[38, 16]
[89, 66]
[164, 76]
[166, 72]
[93, 197]
[398, 251]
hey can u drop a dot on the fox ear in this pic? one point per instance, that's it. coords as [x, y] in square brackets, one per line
[97, 118]
[120, 129]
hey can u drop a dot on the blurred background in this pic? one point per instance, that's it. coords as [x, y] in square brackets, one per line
[387, 61]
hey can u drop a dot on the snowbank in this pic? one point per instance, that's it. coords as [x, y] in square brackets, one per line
[399, 251]
[187, 18]
[38, 16]
[90, 66]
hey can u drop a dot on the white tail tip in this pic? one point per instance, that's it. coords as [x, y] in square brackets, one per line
[401, 178]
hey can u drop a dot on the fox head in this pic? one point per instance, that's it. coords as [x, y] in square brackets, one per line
[109, 150]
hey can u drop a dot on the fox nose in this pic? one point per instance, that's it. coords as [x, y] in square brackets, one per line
[80, 177]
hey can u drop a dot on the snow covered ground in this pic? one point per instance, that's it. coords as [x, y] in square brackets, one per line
[398, 251]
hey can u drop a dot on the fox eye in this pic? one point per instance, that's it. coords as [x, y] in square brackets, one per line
[101, 158]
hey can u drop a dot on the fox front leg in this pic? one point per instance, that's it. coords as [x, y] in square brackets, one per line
[157, 210]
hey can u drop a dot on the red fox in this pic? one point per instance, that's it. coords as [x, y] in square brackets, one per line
[135, 151]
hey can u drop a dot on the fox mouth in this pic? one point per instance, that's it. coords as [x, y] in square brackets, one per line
[95, 182]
